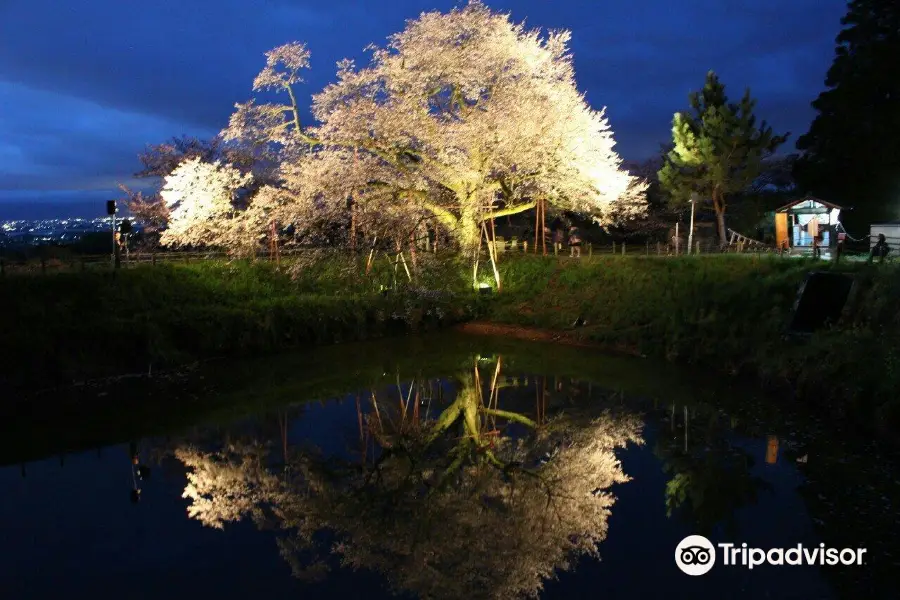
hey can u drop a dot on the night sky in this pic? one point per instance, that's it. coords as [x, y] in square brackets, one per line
[85, 84]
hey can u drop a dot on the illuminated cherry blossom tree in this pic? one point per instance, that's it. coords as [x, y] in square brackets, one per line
[201, 197]
[462, 117]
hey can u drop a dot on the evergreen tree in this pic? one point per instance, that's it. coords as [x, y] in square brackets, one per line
[718, 150]
[852, 149]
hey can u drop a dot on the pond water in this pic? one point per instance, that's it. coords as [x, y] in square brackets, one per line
[435, 467]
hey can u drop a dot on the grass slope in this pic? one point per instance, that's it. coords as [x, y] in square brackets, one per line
[726, 314]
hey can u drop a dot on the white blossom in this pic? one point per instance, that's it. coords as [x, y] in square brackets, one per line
[461, 116]
[200, 198]
[283, 65]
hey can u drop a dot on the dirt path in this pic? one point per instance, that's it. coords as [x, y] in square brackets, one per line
[533, 334]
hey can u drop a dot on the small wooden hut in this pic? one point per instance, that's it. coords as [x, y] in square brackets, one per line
[798, 223]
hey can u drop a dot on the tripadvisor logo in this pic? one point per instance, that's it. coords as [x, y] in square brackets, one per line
[696, 555]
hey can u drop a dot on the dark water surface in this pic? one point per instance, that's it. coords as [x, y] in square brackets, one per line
[445, 466]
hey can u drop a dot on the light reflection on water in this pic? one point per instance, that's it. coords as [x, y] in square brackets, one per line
[482, 482]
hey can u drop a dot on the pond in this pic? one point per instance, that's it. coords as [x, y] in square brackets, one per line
[443, 466]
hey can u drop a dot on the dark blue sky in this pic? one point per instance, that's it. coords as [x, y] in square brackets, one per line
[85, 84]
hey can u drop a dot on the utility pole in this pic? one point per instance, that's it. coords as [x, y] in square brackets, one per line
[694, 198]
[111, 211]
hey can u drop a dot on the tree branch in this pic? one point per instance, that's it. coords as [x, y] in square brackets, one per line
[510, 210]
[510, 416]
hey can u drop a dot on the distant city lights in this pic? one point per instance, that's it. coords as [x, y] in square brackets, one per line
[43, 231]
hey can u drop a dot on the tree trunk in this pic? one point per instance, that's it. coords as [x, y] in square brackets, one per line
[720, 222]
[468, 231]
[719, 206]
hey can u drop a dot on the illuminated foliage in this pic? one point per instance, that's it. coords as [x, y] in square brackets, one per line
[718, 150]
[200, 197]
[461, 116]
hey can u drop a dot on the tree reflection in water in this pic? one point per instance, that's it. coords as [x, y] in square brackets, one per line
[711, 477]
[477, 502]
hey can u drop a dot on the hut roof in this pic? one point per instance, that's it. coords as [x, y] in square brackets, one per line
[790, 205]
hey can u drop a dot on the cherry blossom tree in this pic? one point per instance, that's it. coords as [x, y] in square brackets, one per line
[201, 197]
[150, 211]
[462, 117]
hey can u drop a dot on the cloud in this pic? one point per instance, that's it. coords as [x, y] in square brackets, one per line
[56, 142]
[85, 85]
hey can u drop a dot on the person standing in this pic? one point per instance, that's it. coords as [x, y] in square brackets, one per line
[880, 249]
[574, 242]
[557, 239]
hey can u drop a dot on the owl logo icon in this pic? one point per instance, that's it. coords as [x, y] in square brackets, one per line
[695, 555]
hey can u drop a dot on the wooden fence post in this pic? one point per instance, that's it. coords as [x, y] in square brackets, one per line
[590, 249]
[658, 248]
[614, 247]
[623, 248]
[648, 248]
[153, 258]
[698, 247]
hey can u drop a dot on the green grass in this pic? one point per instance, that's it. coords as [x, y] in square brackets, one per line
[81, 325]
[726, 314]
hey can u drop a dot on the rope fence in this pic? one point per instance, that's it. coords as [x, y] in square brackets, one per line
[855, 248]
[81, 263]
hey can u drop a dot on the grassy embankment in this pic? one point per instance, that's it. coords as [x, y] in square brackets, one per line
[728, 314]
[76, 326]
[724, 313]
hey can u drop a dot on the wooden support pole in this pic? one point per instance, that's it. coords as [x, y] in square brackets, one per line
[405, 268]
[371, 255]
[492, 254]
[543, 228]
[477, 257]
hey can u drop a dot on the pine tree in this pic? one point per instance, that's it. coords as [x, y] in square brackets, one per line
[852, 150]
[718, 150]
